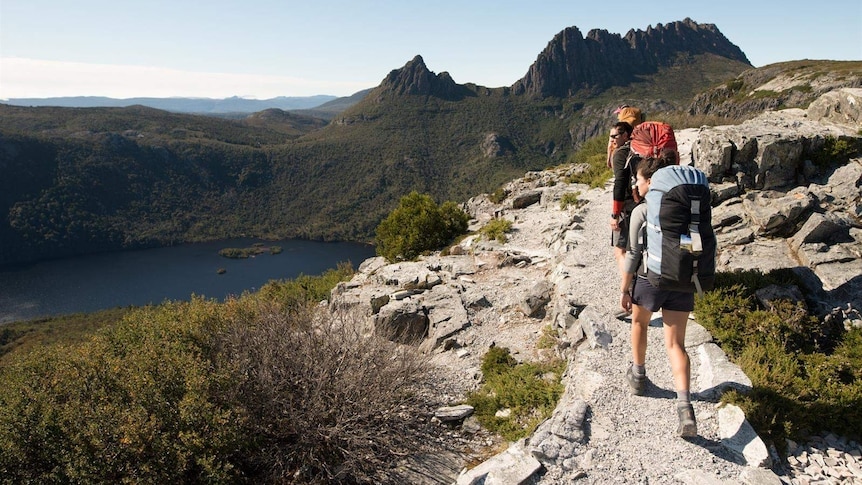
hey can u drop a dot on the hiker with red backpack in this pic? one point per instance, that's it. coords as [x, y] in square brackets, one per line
[631, 115]
[623, 203]
[671, 255]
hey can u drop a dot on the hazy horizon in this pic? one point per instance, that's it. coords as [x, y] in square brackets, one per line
[263, 49]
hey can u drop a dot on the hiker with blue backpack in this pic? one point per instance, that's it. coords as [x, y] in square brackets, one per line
[671, 255]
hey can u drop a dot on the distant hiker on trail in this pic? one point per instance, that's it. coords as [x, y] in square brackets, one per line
[622, 194]
[640, 297]
[631, 115]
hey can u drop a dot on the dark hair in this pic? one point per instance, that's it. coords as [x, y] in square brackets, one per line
[623, 126]
[650, 165]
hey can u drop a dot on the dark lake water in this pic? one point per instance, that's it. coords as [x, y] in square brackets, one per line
[101, 281]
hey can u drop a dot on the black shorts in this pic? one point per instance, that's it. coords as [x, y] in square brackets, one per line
[620, 239]
[653, 299]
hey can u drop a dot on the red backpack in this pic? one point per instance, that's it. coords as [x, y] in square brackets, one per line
[649, 137]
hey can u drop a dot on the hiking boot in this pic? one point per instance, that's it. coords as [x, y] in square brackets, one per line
[687, 425]
[636, 383]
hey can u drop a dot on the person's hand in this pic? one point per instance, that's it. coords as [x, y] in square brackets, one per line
[626, 302]
[615, 224]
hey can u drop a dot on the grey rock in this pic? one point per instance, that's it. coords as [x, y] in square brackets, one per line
[763, 254]
[828, 228]
[839, 106]
[719, 374]
[536, 298]
[594, 327]
[724, 191]
[446, 316]
[759, 476]
[738, 436]
[777, 214]
[696, 335]
[511, 467]
[527, 199]
[697, 477]
[775, 292]
[713, 153]
[404, 321]
[453, 413]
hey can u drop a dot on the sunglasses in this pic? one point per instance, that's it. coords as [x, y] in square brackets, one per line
[615, 135]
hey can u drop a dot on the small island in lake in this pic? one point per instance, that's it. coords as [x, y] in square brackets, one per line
[254, 250]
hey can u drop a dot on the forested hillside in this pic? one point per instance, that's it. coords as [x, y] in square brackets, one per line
[81, 180]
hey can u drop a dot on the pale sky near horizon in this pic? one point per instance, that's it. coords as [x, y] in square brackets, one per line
[267, 48]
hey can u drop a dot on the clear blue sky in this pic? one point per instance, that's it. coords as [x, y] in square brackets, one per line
[267, 48]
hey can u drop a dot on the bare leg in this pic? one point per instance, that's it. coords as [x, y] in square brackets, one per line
[640, 322]
[674, 342]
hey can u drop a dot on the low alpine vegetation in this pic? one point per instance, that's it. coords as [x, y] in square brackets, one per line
[570, 198]
[496, 229]
[264, 388]
[516, 397]
[593, 153]
[806, 373]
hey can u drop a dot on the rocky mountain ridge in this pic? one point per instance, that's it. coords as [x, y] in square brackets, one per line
[775, 209]
[571, 62]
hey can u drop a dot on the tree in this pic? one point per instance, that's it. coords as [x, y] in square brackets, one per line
[418, 225]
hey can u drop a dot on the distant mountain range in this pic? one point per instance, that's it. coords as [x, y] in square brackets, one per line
[182, 105]
[96, 179]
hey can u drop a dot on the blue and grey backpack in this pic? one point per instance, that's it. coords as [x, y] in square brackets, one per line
[680, 243]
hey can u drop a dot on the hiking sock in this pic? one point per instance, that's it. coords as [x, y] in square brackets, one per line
[639, 370]
[683, 397]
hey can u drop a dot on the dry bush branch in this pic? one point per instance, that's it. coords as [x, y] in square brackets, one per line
[328, 403]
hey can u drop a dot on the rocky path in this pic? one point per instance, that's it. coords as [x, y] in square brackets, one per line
[632, 439]
[622, 438]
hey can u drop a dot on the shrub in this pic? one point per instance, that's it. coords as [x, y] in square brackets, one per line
[418, 225]
[297, 291]
[139, 401]
[325, 404]
[806, 374]
[593, 153]
[265, 388]
[569, 198]
[496, 229]
[835, 151]
[530, 390]
[498, 196]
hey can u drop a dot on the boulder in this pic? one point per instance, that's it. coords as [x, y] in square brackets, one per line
[511, 467]
[446, 316]
[403, 321]
[527, 199]
[839, 106]
[737, 435]
[777, 214]
[536, 298]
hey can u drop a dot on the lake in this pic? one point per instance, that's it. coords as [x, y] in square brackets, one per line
[118, 279]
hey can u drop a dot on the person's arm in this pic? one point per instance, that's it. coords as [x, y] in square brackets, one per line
[622, 179]
[634, 255]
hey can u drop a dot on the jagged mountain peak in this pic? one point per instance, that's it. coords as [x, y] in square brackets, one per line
[602, 59]
[416, 79]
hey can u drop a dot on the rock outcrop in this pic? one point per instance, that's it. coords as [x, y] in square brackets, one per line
[415, 79]
[572, 62]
